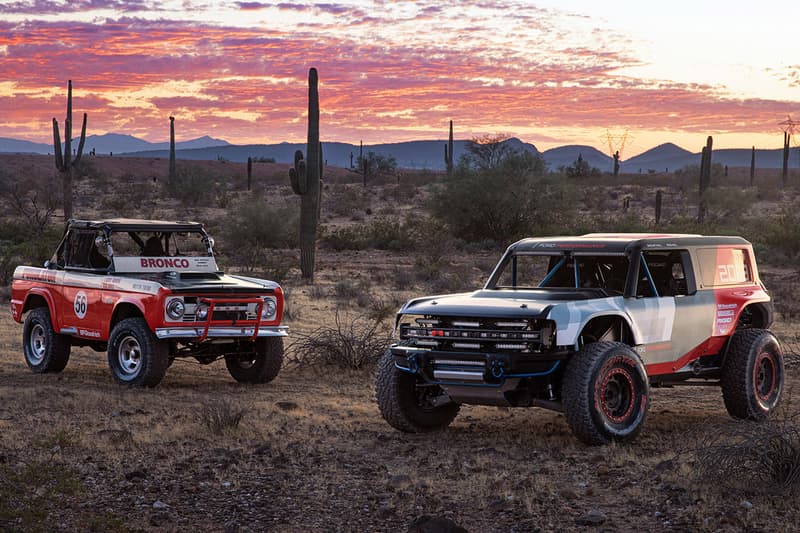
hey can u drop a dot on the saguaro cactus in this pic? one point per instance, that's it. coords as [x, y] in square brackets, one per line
[659, 196]
[753, 166]
[249, 172]
[785, 175]
[65, 163]
[172, 148]
[705, 179]
[616, 163]
[448, 152]
[305, 180]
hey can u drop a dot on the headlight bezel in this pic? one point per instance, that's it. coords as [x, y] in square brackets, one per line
[269, 308]
[175, 308]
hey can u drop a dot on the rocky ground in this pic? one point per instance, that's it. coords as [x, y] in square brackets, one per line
[312, 453]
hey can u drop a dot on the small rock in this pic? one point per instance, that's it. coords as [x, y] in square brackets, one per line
[287, 406]
[135, 475]
[263, 449]
[158, 504]
[568, 494]
[400, 481]
[594, 517]
[227, 484]
[428, 524]
[663, 466]
[747, 505]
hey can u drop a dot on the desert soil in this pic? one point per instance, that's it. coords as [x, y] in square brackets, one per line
[312, 453]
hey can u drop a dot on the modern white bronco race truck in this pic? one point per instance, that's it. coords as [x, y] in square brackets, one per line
[586, 325]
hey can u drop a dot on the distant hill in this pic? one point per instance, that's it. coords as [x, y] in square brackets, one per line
[413, 154]
[106, 144]
[566, 155]
[664, 157]
[669, 158]
[16, 146]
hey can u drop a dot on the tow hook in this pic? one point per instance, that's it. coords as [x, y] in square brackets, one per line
[442, 399]
[497, 368]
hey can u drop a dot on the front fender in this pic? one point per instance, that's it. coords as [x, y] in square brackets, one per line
[572, 317]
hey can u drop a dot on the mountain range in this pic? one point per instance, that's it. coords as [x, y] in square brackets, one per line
[414, 154]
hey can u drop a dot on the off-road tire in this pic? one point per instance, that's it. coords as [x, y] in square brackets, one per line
[44, 349]
[605, 393]
[260, 366]
[135, 355]
[401, 401]
[753, 374]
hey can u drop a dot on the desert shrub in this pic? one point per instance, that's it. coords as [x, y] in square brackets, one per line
[752, 457]
[782, 235]
[21, 244]
[32, 198]
[501, 203]
[351, 343]
[254, 229]
[345, 200]
[194, 185]
[220, 417]
[381, 234]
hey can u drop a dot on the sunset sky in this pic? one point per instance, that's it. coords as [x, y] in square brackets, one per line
[550, 72]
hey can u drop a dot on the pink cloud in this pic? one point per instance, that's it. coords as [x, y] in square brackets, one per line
[390, 87]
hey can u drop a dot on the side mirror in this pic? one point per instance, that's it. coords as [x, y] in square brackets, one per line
[50, 265]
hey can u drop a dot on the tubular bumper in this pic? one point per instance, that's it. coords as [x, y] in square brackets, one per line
[203, 331]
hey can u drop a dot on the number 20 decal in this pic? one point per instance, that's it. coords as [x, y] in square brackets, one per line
[81, 304]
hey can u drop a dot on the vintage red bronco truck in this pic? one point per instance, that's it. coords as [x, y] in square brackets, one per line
[147, 292]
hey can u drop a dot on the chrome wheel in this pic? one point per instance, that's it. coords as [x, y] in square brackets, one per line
[129, 355]
[37, 344]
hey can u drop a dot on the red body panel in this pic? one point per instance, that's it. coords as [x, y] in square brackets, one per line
[83, 305]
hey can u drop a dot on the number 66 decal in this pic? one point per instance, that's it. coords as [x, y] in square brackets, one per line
[80, 304]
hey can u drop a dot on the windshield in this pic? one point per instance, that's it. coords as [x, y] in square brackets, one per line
[159, 244]
[563, 271]
[161, 251]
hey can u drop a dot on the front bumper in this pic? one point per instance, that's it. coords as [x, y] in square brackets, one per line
[478, 368]
[221, 332]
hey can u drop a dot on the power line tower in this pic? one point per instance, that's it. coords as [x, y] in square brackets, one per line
[616, 146]
[617, 141]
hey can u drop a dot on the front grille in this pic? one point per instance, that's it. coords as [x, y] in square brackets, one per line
[478, 334]
[224, 312]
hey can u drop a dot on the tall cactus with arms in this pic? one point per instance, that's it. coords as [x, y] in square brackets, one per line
[305, 180]
[64, 162]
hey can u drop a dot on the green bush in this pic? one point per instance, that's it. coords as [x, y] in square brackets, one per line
[21, 244]
[502, 203]
[194, 185]
[255, 228]
[381, 234]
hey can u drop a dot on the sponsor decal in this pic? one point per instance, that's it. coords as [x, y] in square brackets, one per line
[726, 313]
[165, 264]
[89, 333]
[80, 304]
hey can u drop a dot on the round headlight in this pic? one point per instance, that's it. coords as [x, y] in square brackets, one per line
[269, 308]
[175, 309]
[202, 312]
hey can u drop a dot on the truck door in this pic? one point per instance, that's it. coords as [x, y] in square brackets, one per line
[670, 305]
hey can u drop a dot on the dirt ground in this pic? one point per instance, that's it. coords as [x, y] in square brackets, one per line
[312, 453]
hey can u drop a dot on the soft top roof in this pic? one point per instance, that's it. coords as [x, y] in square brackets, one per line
[133, 224]
[622, 242]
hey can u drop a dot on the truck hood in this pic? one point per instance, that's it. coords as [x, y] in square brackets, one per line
[499, 303]
[209, 283]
